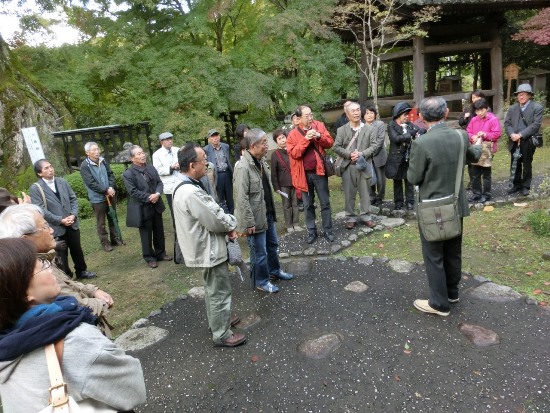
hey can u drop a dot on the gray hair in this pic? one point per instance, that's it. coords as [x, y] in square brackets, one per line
[253, 136]
[133, 149]
[18, 220]
[433, 108]
[350, 105]
[89, 145]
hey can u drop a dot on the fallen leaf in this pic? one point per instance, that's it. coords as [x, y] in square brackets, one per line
[529, 273]
[418, 395]
[547, 283]
[254, 359]
[397, 378]
[543, 303]
[386, 235]
[407, 352]
[520, 204]
[407, 346]
[537, 292]
[380, 245]
[477, 372]
[488, 208]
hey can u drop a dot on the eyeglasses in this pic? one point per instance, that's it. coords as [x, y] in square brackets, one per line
[45, 265]
[46, 228]
[307, 115]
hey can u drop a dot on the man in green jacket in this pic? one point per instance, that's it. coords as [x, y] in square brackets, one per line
[255, 212]
[432, 166]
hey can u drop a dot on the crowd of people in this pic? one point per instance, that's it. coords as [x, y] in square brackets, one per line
[212, 202]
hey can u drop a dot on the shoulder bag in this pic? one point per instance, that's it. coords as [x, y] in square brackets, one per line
[536, 139]
[439, 219]
[60, 401]
[338, 170]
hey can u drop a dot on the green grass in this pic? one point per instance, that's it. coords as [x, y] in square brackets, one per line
[498, 245]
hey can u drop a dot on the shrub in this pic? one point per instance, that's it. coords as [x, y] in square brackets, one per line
[75, 181]
[85, 209]
[539, 220]
[118, 169]
[546, 136]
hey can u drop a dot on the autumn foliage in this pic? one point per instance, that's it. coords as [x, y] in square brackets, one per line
[536, 29]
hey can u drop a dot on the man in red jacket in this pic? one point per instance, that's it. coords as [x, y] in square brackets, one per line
[305, 145]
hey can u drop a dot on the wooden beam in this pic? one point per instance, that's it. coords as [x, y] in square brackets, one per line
[449, 49]
[418, 69]
[405, 54]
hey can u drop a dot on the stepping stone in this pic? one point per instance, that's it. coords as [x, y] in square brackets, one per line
[480, 336]
[320, 347]
[196, 292]
[142, 322]
[140, 338]
[494, 292]
[356, 287]
[309, 251]
[352, 238]
[299, 266]
[392, 222]
[401, 266]
[335, 248]
[365, 260]
[345, 243]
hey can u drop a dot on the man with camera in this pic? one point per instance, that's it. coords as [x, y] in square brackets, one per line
[306, 146]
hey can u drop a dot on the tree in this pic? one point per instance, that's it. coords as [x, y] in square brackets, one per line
[378, 27]
[536, 29]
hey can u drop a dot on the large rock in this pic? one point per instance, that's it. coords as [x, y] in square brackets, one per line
[139, 338]
[494, 292]
[480, 336]
[320, 347]
[401, 266]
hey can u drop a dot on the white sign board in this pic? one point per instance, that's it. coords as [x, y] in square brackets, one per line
[34, 146]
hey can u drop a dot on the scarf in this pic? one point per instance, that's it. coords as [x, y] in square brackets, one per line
[43, 324]
[149, 179]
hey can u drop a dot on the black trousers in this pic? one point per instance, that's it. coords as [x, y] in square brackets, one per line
[169, 202]
[524, 170]
[224, 190]
[151, 233]
[481, 180]
[398, 192]
[443, 260]
[72, 239]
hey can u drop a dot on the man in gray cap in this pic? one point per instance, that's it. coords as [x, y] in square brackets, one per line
[218, 154]
[165, 161]
[522, 122]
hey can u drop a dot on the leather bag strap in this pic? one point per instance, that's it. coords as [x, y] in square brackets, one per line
[59, 398]
[460, 166]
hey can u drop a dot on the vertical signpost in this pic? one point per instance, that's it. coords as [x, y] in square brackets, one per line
[34, 146]
[511, 72]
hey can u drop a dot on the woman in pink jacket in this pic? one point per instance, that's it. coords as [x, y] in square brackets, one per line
[484, 129]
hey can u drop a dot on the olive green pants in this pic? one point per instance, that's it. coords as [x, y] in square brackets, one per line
[217, 296]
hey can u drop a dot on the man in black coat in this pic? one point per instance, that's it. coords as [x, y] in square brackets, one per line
[522, 122]
[145, 206]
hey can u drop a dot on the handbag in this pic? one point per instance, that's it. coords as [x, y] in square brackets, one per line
[439, 219]
[60, 401]
[486, 158]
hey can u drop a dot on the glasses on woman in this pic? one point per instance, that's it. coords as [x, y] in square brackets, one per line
[45, 265]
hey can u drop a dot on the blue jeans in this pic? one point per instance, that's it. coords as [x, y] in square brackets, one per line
[264, 253]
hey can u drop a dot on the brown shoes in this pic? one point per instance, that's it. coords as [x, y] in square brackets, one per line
[235, 340]
[369, 223]
[107, 247]
[234, 320]
[167, 258]
[152, 264]
[350, 225]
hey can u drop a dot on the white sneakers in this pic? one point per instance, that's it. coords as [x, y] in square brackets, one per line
[423, 306]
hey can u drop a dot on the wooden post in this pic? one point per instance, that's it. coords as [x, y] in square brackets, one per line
[397, 81]
[496, 71]
[418, 69]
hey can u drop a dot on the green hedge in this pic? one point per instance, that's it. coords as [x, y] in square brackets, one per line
[85, 209]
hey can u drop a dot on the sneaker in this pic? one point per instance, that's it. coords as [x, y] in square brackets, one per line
[268, 288]
[311, 237]
[329, 236]
[86, 275]
[475, 198]
[281, 276]
[514, 189]
[290, 229]
[524, 191]
[298, 228]
[423, 306]
[454, 300]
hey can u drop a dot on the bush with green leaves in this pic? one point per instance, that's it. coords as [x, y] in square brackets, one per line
[118, 169]
[85, 209]
[546, 136]
[75, 181]
[539, 220]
